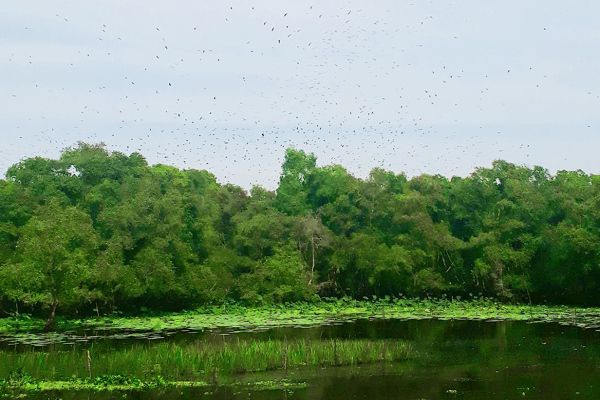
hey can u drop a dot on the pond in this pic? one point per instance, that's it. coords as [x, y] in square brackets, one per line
[453, 359]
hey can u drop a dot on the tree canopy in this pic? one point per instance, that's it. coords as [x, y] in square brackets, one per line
[99, 230]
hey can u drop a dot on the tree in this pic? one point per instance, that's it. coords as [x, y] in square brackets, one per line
[512, 216]
[279, 278]
[261, 228]
[54, 260]
[93, 163]
[44, 179]
[295, 182]
[432, 250]
[311, 231]
[364, 266]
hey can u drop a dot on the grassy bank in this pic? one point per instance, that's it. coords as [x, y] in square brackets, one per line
[193, 363]
[307, 314]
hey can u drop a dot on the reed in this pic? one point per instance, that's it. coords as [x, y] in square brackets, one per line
[199, 360]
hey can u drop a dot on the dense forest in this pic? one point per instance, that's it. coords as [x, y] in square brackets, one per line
[98, 232]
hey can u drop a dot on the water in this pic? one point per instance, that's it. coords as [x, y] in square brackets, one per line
[457, 360]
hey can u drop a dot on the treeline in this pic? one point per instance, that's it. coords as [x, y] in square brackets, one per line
[99, 231]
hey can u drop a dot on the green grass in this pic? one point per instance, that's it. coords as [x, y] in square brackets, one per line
[198, 361]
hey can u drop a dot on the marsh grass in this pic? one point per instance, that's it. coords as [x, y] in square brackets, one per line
[199, 360]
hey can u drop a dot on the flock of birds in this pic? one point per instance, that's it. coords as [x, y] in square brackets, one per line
[354, 84]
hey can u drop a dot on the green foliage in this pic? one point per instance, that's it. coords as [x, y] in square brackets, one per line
[53, 260]
[95, 232]
[295, 182]
[280, 278]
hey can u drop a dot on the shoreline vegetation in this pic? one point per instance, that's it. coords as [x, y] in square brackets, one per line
[198, 363]
[18, 385]
[210, 363]
[97, 232]
[239, 317]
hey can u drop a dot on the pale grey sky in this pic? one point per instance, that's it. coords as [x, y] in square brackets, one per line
[419, 87]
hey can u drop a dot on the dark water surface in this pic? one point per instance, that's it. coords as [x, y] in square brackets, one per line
[457, 360]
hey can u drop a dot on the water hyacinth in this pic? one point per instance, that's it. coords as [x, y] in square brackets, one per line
[235, 317]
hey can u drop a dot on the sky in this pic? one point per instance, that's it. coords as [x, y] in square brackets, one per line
[417, 87]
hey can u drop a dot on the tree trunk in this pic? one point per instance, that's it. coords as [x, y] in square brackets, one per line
[51, 320]
[497, 275]
[312, 269]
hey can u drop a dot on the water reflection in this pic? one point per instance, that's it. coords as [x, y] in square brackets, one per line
[457, 359]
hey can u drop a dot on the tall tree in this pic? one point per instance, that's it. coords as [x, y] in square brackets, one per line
[294, 184]
[312, 233]
[54, 261]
